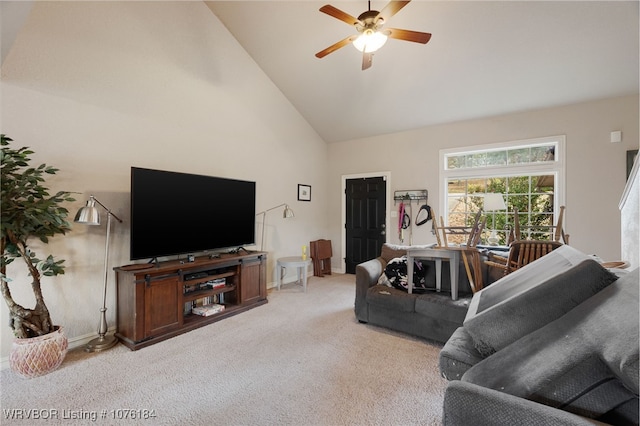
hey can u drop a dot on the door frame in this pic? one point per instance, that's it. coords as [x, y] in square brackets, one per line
[387, 179]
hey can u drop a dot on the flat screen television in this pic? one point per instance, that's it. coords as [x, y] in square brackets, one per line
[176, 213]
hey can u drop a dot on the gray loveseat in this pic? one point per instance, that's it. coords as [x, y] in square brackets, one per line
[553, 343]
[432, 315]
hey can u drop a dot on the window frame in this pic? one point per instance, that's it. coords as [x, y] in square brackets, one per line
[557, 168]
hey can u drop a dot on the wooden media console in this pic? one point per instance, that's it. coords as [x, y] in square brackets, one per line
[156, 301]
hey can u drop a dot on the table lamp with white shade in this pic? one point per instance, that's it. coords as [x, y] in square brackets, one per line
[493, 202]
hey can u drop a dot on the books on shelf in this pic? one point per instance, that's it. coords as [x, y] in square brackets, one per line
[209, 285]
[207, 310]
[217, 283]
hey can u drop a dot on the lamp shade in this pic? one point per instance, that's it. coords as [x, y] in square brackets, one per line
[493, 202]
[287, 213]
[89, 214]
[370, 41]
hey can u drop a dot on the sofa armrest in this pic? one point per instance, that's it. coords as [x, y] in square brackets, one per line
[458, 355]
[367, 275]
[467, 404]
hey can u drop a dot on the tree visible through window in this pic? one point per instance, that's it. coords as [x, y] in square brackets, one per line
[528, 175]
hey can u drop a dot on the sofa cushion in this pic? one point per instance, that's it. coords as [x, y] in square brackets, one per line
[391, 298]
[535, 306]
[466, 404]
[554, 263]
[585, 361]
[391, 251]
[587, 388]
[440, 305]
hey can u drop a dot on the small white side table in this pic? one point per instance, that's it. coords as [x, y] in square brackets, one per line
[302, 265]
[437, 254]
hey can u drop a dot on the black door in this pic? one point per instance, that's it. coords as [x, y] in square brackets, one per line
[366, 220]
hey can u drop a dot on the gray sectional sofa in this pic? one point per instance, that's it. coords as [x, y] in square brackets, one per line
[432, 315]
[555, 342]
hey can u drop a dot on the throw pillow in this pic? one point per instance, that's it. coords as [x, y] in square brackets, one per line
[395, 275]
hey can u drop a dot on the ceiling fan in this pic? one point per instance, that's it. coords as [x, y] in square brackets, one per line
[371, 35]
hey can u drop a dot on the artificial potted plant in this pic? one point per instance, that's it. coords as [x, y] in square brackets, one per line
[29, 212]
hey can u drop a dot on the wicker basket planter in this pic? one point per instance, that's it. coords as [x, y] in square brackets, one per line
[40, 355]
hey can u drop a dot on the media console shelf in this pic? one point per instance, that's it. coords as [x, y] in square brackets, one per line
[155, 301]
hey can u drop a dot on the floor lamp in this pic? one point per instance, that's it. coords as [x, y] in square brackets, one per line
[286, 213]
[493, 202]
[89, 215]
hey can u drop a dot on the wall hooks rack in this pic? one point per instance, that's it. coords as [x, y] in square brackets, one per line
[411, 195]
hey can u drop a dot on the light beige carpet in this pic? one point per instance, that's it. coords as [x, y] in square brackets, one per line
[301, 359]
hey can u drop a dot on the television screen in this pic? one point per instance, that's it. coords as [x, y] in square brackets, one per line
[180, 213]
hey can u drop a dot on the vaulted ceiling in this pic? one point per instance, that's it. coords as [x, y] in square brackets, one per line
[485, 58]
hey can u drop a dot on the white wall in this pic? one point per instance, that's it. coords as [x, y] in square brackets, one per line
[630, 216]
[596, 168]
[97, 87]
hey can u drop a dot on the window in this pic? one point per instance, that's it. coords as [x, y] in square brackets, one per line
[527, 175]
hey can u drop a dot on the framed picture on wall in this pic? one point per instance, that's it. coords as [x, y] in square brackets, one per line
[304, 192]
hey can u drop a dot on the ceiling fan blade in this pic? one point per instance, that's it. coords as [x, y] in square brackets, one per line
[407, 35]
[367, 60]
[391, 9]
[335, 46]
[338, 14]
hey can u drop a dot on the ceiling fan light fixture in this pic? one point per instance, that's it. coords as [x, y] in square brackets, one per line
[370, 36]
[370, 41]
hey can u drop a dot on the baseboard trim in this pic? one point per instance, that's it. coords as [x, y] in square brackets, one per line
[74, 343]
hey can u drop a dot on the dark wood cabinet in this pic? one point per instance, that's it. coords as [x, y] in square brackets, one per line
[253, 276]
[162, 305]
[154, 301]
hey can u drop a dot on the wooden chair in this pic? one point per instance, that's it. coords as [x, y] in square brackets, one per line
[521, 253]
[321, 255]
[556, 230]
[469, 253]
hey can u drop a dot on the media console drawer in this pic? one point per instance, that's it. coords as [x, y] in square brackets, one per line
[155, 301]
